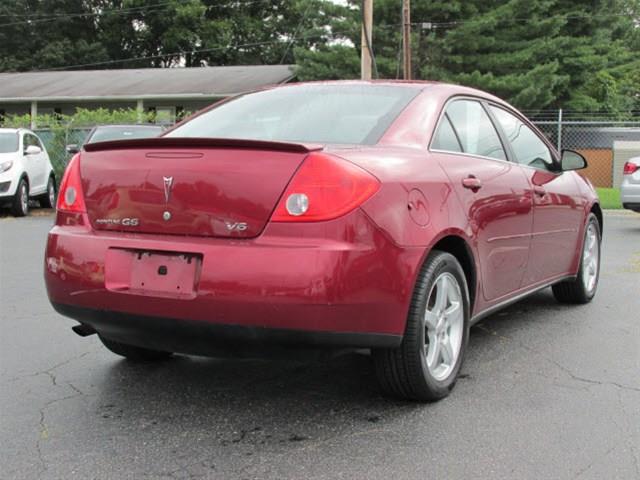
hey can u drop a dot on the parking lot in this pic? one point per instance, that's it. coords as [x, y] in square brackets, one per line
[547, 391]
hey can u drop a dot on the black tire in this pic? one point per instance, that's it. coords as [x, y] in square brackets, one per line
[131, 352]
[403, 371]
[48, 199]
[19, 207]
[576, 291]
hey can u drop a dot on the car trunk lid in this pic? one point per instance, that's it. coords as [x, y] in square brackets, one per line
[187, 186]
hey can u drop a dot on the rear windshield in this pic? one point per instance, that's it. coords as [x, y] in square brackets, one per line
[336, 114]
[106, 134]
[8, 142]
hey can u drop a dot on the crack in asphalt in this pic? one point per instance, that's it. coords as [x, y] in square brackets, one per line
[563, 368]
[593, 462]
[43, 434]
[44, 429]
[49, 371]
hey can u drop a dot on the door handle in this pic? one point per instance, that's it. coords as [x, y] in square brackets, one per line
[540, 191]
[472, 183]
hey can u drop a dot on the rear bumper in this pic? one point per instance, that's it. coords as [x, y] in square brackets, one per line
[290, 285]
[204, 338]
[630, 195]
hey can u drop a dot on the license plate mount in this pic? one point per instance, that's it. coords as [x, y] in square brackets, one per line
[151, 273]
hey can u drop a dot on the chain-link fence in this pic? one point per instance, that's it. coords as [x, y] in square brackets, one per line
[605, 142]
[56, 141]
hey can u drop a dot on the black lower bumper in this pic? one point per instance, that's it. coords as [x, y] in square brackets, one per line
[632, 206]
[210, 339]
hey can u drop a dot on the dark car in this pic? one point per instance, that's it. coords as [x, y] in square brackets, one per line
[380, 215]
[106, 133]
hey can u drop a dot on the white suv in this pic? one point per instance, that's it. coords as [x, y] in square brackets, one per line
[630, 188]
[25, 171]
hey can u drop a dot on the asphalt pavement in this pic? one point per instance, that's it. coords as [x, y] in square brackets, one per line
[547, 391]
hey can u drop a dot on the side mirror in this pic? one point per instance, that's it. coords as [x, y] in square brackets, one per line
[73, 149]
[32, 150]
[572, 161]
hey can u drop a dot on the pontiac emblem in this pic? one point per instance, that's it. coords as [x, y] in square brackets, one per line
[168, 182]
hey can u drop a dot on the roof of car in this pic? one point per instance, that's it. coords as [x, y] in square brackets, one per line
[15, 130]
[445, 89]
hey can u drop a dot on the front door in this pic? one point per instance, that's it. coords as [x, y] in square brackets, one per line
[558, 211]
[494, 192]
[36, 165]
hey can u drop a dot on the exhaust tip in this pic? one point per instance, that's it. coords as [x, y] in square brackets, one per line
[84, 330]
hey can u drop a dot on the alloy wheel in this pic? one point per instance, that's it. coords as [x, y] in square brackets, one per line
[590, 258]
[51, 191]
[24, 198]
[444, 323]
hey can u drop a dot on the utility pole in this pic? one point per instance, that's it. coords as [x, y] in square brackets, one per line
[406, 38]
[366, 39]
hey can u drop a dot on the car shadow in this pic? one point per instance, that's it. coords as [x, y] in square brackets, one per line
[280, 401]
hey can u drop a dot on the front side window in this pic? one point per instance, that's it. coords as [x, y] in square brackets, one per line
[334, 114]
[8, 142]
[528, 148]
[475, 130]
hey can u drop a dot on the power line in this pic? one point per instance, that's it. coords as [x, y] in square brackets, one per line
[66, 16]
[295, 32]
[80, 14]
[114, 11]
[454, 23]
[206, 50]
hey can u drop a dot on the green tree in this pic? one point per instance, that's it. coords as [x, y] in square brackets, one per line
[39, 34]
[576, 54]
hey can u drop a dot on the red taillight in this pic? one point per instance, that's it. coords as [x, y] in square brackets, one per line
[325, 187]
[630, 168]
[70, 196]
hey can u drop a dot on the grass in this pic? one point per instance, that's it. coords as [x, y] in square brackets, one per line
[609, 198]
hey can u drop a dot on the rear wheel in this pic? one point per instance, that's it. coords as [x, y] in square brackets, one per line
[426, 365]
[583, 288]
[48, 199]
[131, 352]
[20, 206]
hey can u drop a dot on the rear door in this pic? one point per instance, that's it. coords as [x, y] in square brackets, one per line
[558, 211]
[494, 193]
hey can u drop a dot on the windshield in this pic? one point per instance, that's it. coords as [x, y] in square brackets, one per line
[105, 134]
[336, 114]
[8, 142]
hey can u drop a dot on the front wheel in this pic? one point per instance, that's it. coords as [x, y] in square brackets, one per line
[426, 365]
[583, 288]
[131, 352]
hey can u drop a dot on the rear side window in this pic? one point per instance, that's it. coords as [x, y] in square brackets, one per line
[528, 148]
[31, 140]
[445, 138]
[475, 130]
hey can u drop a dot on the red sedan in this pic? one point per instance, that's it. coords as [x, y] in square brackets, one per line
[381, 215]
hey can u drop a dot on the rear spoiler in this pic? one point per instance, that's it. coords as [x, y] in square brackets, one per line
[196, 142]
